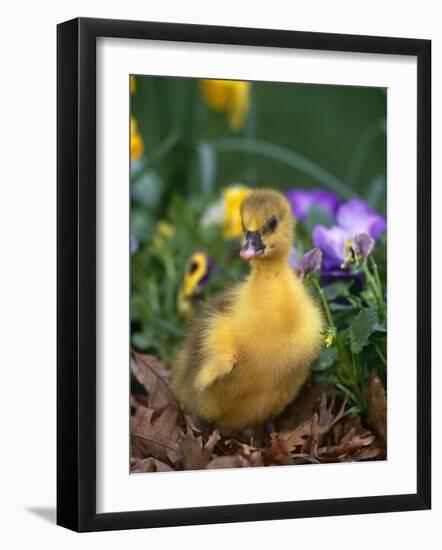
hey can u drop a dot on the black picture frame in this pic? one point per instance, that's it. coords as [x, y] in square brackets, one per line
[76, 273]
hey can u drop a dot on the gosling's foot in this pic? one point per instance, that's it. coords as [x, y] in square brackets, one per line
[203, 425]
[270, 427]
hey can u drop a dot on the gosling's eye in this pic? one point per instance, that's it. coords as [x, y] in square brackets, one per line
[272, 224]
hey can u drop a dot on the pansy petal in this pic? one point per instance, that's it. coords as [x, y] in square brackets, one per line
[362, 246]
[357, 217]
[327, 200]
[311, 261]
[302, 200]
[331, 241]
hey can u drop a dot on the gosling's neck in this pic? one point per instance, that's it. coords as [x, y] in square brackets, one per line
[270, 267]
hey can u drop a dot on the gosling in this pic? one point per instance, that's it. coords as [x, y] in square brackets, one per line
[249, 351]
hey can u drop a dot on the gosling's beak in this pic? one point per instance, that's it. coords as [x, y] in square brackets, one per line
[252, 247]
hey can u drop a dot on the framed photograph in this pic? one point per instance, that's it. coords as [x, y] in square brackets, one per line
[244, 257]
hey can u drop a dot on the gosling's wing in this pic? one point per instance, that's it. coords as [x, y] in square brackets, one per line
[209, 344]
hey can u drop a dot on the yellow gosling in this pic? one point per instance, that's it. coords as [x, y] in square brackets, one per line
[249, 351]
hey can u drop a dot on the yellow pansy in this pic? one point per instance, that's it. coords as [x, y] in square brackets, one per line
[230, 97]
[195, 277]
[136, 141]
[133, 85]
[164, 230]
[329, 336]
[225, 211]
[233, 197]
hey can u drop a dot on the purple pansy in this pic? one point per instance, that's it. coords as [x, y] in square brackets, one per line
[362, 246]
[310, 262]
[353, 219]
[301, 201]
[357, 217]
[357, 250]
[331, 240]
[134, 245]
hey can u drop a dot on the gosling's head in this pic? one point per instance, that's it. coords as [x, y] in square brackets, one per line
[267, 224]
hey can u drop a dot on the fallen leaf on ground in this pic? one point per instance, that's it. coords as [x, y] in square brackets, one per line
[232, 461]
[350, 441]
[370, 453]
[195, 453]
[337, 452]
[277, 453]
[155, 377]
[149, 465]
[252, 454]
[310, 434]
[158, 434]
[313, 429]
[377, 407]
[303, 406]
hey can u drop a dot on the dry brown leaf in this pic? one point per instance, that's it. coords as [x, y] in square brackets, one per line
[337, 432]
[369, 453]
[350, 441]
[298, 436]
[138, 400]
[195, 453]
[151, 464]
[310, 434]
[277, 453]
[338, 452]
[136, 452]
[155, 377]
[158, 434]
[326, 418]
[134, 404]
[377, 408]
[305, 404]
[231, 461]
[252, 454]
[304, 458]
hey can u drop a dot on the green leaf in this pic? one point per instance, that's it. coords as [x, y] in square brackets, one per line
[147, 189]
[207, 166]
[170, 327]
[339, 288]
[326, 359]
[318, 216]
[353, 412]
[137, 166]
[141, 224]
[142, 340]
[327, 378]
[346, 391]
[340, 307]
[376, 193]
[361, 329]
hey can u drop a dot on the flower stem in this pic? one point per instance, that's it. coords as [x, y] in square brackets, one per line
[377, 290]
[348, 372]
[378, 280]
[323, 300]
[381, 355]
[163, 148]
